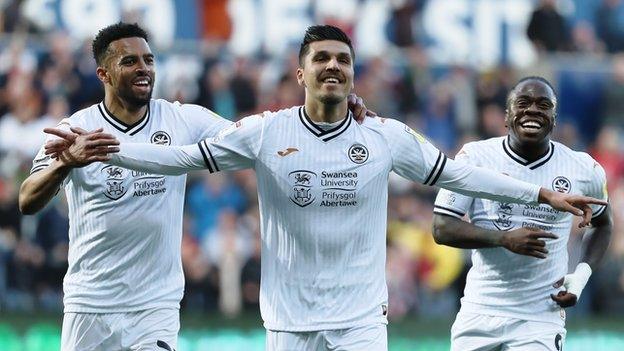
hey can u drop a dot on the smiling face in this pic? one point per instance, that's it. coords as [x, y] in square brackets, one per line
[129, 70]
[327, 71]
[531, 112]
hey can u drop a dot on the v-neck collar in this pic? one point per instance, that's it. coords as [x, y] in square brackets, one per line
[325, 135]
[122, 126]
[521, 160]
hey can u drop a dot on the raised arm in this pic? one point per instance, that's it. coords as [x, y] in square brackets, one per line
[41, 186]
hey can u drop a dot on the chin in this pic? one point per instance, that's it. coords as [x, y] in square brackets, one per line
[331, 99]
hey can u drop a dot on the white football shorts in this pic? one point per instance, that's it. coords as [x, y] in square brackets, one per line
[153, 329]
[370, 338]
[478, 332]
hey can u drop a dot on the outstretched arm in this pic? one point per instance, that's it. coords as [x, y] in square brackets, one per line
[480, 182]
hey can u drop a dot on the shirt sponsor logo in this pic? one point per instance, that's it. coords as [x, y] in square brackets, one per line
[114, 187]
[561, 184]
[358, 153]
[288, 151]
[504, 213]
[118, 181]
[302, 181]
[160, 138]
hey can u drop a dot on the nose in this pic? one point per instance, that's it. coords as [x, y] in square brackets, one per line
[332, 64]
[142, 66]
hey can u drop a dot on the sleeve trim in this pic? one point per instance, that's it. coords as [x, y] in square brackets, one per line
[447, 211]
[437, 169]
[599, 212]
[209, 160]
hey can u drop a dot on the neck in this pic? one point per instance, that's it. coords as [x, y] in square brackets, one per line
[127, 113]
[529, 151]
[320, 112]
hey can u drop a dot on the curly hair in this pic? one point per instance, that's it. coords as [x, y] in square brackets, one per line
[111, 33]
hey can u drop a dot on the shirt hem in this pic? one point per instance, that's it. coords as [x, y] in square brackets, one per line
[329, 326]
[543, 316]
[73, 308]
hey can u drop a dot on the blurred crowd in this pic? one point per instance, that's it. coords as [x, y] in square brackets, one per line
[47, 76]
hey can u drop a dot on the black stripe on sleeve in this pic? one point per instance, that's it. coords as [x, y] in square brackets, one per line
[434, 168]
[439, 170]
[214, 162]
[201, 148]
[599, 212]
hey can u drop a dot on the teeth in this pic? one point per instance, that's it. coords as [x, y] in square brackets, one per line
[331, 80]
[531, 125]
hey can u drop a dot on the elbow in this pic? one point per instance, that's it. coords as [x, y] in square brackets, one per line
[26, 205]
[439, 231]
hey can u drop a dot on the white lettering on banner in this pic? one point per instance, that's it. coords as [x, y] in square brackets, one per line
[84, 18]
[470, 31]
[458, 31]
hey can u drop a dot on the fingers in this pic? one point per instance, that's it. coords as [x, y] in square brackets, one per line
[543, 234]
[564, 299]
[61, 134]
[101, 136]
[559, 283]
[81, 131]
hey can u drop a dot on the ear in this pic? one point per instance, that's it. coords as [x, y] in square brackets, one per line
[102, 74]
[300, 79]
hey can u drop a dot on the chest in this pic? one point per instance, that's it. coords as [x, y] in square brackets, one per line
[338, 173]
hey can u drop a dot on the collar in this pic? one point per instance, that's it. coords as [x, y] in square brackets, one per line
[521, 160]
[325, 135]
[122, 126]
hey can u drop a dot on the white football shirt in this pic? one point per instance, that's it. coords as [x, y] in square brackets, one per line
[500, 282]
[125, 227]
[323, 206]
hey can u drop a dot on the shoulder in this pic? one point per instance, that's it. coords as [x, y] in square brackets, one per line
[83, 118]
[580, 158]
[485, 145]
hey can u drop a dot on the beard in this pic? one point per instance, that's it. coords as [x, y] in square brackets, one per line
[331, 99]
[134, 99]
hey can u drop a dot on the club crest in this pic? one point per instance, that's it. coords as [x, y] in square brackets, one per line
[358, 153]
[562, 184]
[160, 138]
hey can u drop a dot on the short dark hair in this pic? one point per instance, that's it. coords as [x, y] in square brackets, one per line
[525, 79]
[319, 33]
[111, 33]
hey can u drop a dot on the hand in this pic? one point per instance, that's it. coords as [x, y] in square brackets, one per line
[526, 241]
[573, 283]
[563, 298]
[356, 105]
[578, 205]
[79, 148]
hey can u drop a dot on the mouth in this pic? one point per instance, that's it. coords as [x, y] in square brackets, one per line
[142, 83]
[531, 126]
[331, 80]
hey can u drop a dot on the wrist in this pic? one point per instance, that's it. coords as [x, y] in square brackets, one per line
[576, 281]
[544, 196]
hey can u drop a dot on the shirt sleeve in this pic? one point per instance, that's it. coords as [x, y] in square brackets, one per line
[451, 203]
[597, 188]
[235, 147]
[41, 160]
[203, 122]
[415, 158]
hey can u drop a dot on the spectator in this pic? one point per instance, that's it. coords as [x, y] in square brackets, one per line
[547, 28]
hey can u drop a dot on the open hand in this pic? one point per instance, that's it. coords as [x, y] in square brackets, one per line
[578, 205]
[527, 241]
